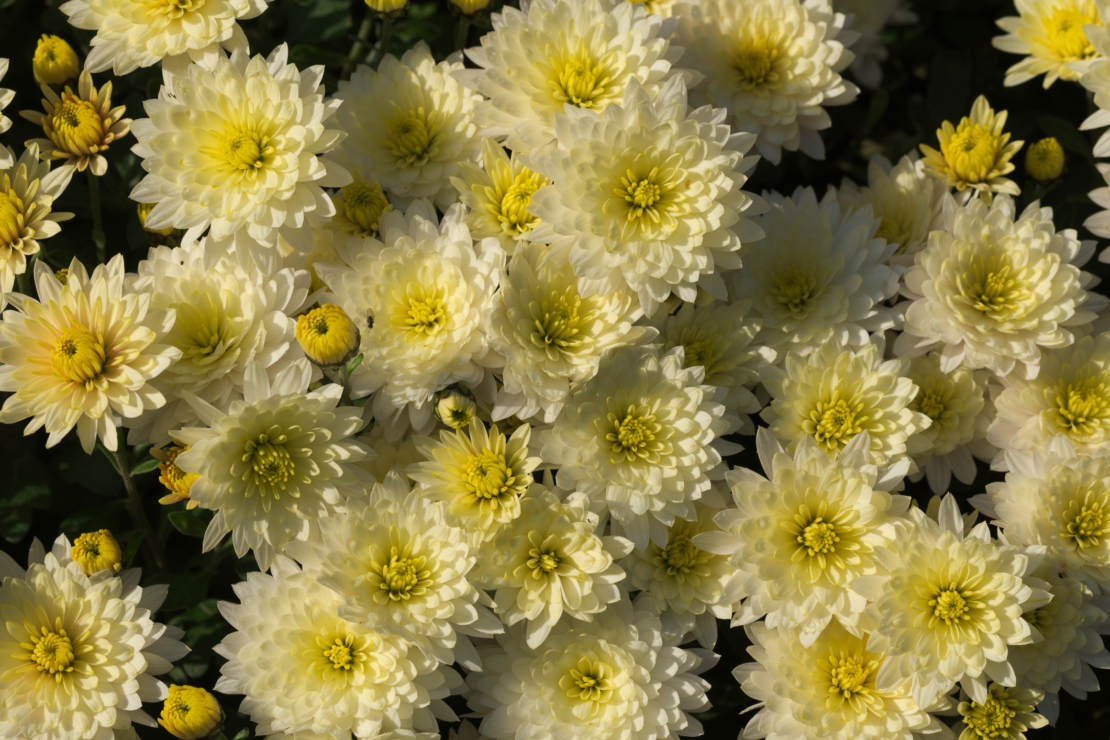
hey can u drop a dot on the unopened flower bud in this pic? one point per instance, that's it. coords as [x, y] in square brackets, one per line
[327, 335]
[1044, 161]
[471, 8]
[455, 408]
[55, 61]
[190, 713]
[97, 551]
[388, 8]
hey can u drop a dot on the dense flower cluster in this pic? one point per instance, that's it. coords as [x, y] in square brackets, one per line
[460, 355]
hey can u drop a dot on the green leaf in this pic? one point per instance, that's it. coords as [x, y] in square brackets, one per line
[353, 364]
[1068, 135]
[880, 101]
[15, 510]
[134, 541]
[188, 523]
[243, 734]
[186, 590]
[147, 465]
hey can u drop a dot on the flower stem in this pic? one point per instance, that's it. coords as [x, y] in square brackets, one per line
[99, 239]
[122, 459]
[461, 32]
[383, 43]
[25, 282]
[359, 45]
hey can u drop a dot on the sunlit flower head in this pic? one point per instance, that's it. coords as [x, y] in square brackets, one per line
[1050, 35]
[774, 65]
[976, 154]
[191, 713]
[79, 127]
[1004, 713]
[995, 288]
[359, 208]
[54, 62]
[869, 19]
[554, 53]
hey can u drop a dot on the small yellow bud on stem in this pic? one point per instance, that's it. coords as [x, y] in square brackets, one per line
[190, 713]
[1045, 160]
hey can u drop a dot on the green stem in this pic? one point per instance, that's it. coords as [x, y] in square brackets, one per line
[461, 32]
[122, 459]
[25, 281]
[99, 239]
[359, 45]
[345, 381]
[383, 43]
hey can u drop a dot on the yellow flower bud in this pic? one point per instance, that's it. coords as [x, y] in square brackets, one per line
[97, 551]
[456, 408]
[176, 481]
[144, 210]
[471, 7]
[62, 275]
[388, 8]
[55, 61]
[327, 335]
[190, 713]
[1044, 161]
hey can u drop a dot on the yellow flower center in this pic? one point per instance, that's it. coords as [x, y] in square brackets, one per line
[972, 152]
[327, 335]
[362, 208]
[558, 321]
[835, 422]
[414, 136]
[633, 436]
[174, 8]
[424, 313]
[932, 403]
[1086, 523]
[950, 606]
[1064, 33]
[1083, 407]
[12, 219]
[78, 356]
[991, 720]
[1038, 618]
[581, 81]
[589, 681]
[649, 198]
[754, 63]
[700, 353]
[681, 556]
[990, 287]
[62, 275]
[341, 654]
[512, 209]
[892, 232]
[795, 288]
[271, 467]
[404, 577]
[848, 675]
[97, 551]
[75, 126]
[544, 561]
[172, 477]
[245, 152]
[819, 537]
[488, 476]
[53, 652]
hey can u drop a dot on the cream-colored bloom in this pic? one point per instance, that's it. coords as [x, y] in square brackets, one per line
[78, 653]
[1004, 712]
[27, 192]
[397, 567]
[976, 154]
[6, 96]
[819, 276]
[1099, 223]
[835, 393]
[554, 53]
[250, 172]
[421, 296]
[647, 198]
[773, 64]
[1050, 35]
[613, 677]
[692, 587]
[1070, 396]
[551, 561]
[640, 439]
[826, 690]
[497, 195]
[480, 475]
[551, 335]
[275, 463]
[869, 18]
[799, 538]
[1096, 78]
[229, 318]
[307, 672]
[83, 353]
[139, 33]
[1059, 499]
[994, 288]
[1071, 625]
[952, 605]
[960, 411]
[908, 203]
[410, 125]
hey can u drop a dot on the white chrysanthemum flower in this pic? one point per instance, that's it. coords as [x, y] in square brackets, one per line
[421, 296]
[551, 561]
[719, 337]
[869, 18]
[82, 353]
[307, 672]
[1050, 35]
[410, 125]
[1099, 223]
[137, 33]
[1004, 710]
[820, 274]
[229, 318]
[801, 537]
[640, 439]
[552, 336]
[398, 567]
[993, 290]
[826, 690]
[1071, 625]
[835, 393]
[275, 463]
[951, 606]
[1070, 396]
[692, 587]
[907, 201]
[27, 192]
[1059, 499]
[78, 653]
[478, 473]
[614, 677]
[773, 65]
[960, 411]
[555, 53]
[250, 173]
[647, 197]
[6, 96]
